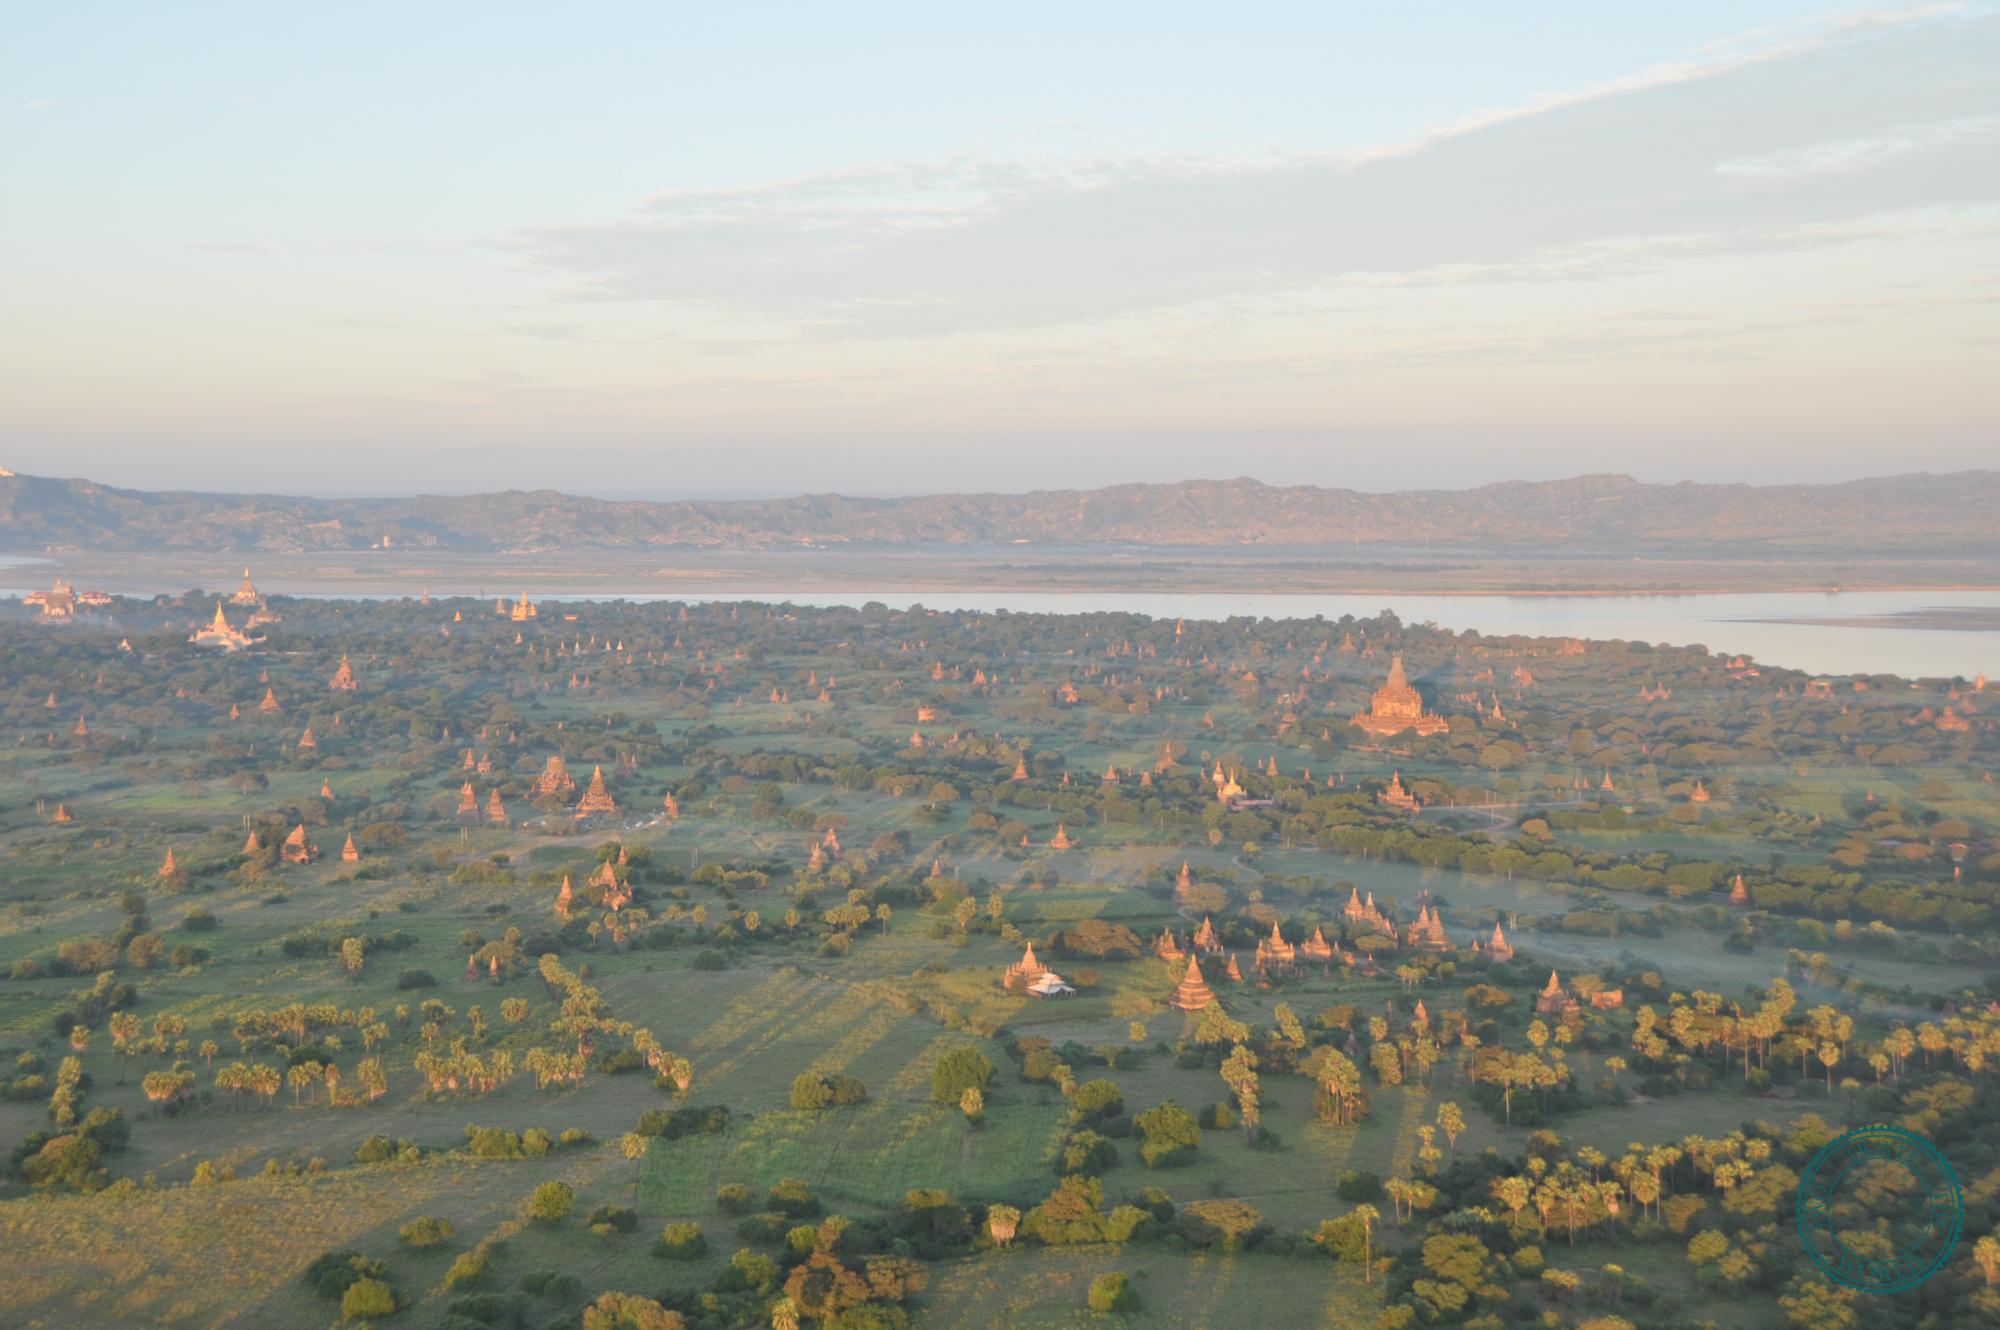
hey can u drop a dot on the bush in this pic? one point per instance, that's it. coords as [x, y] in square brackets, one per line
[468, 1270]
[811, 1092]
[732, 1198]
[550, 1203]
[680, 1242]
[416, 979]
[710, 960]
[334, 1273]
[375, 1150]
[1112, 1293]
[793, 1198]
[428, 1231]
[618, 1218]
[1172, 1135]
[963, 1068]
[367, 1299]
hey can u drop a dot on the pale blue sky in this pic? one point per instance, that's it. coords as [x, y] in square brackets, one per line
[889, 248]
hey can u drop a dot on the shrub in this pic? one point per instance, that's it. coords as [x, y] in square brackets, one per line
[618, 1218]
[367, 1299]
[811, 1092]
[416, 979]
[1171, 1133]
[550, 1203]
[710, 960]
[428, 1231]
[732, 1198]
[468, 1270]
[680, 1242]
[963, 1068]
[335, 1272]
[793, 1198]
[375, 1150]
[1112, 1293]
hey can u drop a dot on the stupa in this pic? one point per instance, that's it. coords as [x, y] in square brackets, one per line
[343, 680]
[1194, 992]
[297, 849]
[597, 800]
[1397, 797]
[496, 812]
[350, 851]
[1397, 706]
[555, 778]
[1552, 1001]
[218, 633]
[246, 593]
[1274, 953]
[1497, 946]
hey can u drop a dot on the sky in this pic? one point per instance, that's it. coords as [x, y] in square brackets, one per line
[661, 248]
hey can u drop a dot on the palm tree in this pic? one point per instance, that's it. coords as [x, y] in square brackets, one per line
[1367, 1214]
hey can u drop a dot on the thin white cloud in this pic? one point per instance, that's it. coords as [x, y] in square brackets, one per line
[1866, 152]
[1613, 178]
[42, 104]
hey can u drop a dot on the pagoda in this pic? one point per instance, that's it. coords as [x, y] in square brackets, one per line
[1232, 971]
[1316, 948]
[671, 806]
[268, 704]
[350, 852]
[1367, 916]
[522, 611]
[1206, 943]
[468, 803]
[1020, 770]
[1497, 946]
[62, 814]
[343, 680]
[496, 812]
[1184, 883]
[1168, 948]
[246, 593]
[1552, 1001]
[296, 848]
[1397, 797]
[1739, 895]
[1427, 933]
[1699, 795]
[1061, 840]
[218, 633]
[1396, 707]
[596, 800]
[1274, 953]
[555, 778]
[307, 743]
[169, 868]
[1194, 992]
[564, 897]
[1024, 972]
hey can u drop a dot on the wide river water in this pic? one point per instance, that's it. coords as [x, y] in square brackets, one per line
[1792, 629]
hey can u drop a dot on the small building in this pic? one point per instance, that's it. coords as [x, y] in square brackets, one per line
[1193, 994]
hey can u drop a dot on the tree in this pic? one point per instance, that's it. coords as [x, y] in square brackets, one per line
[352, 954]
[629, 1311]
[551, 1201]
[1451, 1121]
[1367, 1215]
[963, 1068]
[367, 1299]
[1172, 1135]
[1112, 1292]
[1002, 1222]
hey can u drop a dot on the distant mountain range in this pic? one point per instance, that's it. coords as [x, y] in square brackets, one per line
[1918, 514]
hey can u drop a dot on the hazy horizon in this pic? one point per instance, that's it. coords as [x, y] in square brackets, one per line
[895, 251]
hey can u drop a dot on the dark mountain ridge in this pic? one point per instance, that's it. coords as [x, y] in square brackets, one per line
[1919, 513]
